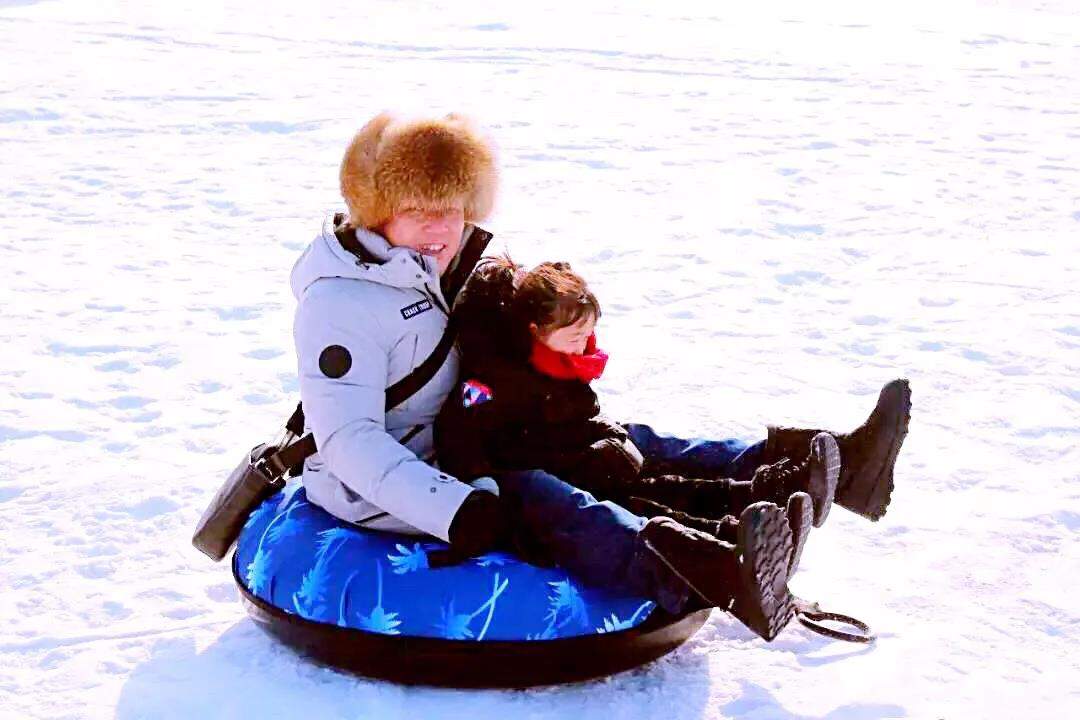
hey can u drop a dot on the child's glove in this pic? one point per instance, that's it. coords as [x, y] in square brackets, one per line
[601, 427]
[606, 466]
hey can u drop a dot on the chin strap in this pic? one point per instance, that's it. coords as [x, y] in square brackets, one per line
[811, 615]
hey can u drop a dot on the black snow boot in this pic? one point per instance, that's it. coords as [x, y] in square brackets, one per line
[726, 528]
[800, 515]
[703, 498]
[816, 474]
[867, 454]
[800, 518]
[748, 579]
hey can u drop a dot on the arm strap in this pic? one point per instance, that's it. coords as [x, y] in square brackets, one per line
[293, 454]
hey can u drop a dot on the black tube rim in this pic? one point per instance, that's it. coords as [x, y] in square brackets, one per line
[420, 660]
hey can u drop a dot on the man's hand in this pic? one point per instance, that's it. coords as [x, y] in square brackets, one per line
[478, 525]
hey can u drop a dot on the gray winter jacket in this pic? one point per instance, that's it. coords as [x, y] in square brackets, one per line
[361, 326]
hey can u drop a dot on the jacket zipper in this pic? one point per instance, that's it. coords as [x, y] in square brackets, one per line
[435, 300]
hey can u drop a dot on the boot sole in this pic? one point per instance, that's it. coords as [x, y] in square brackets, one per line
[871, 500]
[766, 551]
[824, 475]
[800, 515]
[763, 602]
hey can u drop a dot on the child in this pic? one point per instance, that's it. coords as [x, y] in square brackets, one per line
[528, 353]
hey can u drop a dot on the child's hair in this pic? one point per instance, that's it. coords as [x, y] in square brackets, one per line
[492, 283]
[553, 296]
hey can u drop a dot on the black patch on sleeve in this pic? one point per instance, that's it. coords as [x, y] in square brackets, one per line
[335, 361]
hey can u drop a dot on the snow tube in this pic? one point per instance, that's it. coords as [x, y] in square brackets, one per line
[367, 602]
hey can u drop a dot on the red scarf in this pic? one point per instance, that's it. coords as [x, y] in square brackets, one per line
[563, 366]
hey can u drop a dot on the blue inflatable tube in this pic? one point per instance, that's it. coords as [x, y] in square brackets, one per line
[367, 602]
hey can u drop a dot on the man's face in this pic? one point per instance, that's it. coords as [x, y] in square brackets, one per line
[571, 339]
[435, 233]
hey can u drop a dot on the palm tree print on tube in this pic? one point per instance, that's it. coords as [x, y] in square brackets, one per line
[409, 560]
[455, 626]
[258, 577]
[378, 620]
[565, 602]
[614, 624]
[343, 601]
[258, 514]
[309, 601]
[494, 558]
[291, 525]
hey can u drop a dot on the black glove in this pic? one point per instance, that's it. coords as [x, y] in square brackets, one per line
[477, 528]
[605, 467]
[601, 427]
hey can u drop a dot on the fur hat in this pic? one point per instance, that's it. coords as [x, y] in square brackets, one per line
[428, 163]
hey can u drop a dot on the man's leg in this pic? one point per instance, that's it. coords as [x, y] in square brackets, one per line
[695, 458]
[600, 543]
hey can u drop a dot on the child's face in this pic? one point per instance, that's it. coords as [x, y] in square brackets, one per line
[570, 339]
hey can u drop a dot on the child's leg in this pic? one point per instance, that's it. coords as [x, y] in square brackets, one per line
[726, 528]
[695, 457]
[599, 543]
[800, 515]
[603, 544]
[707, 499]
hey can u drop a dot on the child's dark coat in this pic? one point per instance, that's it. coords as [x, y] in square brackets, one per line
[516, 418]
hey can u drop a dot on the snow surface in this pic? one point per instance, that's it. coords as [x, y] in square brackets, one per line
[780, 208]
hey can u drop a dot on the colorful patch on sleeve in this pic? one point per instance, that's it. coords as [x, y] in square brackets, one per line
[474, 392]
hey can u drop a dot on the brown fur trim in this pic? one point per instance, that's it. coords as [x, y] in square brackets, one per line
[432, 163]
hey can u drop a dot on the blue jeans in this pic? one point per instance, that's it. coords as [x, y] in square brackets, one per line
[554, 523]
[695, 458]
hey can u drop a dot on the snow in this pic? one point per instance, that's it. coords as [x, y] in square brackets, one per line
[780, 208]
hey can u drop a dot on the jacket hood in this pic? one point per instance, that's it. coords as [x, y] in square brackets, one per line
[384, 264]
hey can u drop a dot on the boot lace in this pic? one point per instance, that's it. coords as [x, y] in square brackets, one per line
[783, 476]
